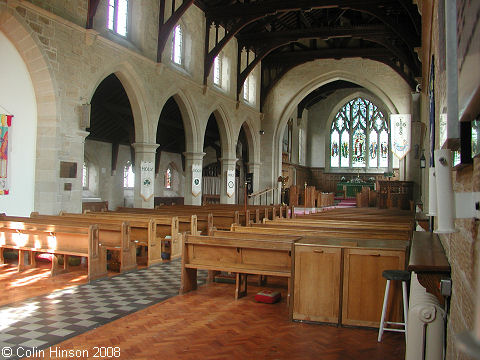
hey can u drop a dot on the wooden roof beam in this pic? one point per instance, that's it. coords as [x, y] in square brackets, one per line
[92, 10]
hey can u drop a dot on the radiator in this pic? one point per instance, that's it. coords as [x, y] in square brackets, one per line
[426, 324]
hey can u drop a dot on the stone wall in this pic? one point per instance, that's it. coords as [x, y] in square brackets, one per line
[72, 61]
[376, 77]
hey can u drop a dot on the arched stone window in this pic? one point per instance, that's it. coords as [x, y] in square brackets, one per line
[118, 16]
[168, 178]
[217, 70]
[85, 175]
[177, 45]
[359, 137]
[128, 176]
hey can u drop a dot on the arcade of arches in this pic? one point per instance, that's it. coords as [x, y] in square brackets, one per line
[87, 97]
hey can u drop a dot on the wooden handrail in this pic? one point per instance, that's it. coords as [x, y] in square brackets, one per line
[261, 192]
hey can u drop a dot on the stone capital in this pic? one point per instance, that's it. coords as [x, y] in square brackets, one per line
[191, 156]
[145, 148]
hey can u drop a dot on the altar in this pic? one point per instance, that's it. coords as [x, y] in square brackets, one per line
[351, 188]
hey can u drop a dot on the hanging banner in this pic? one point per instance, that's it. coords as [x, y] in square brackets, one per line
[5, 123]
[401, 134]
[230, 183]
[196, 179]
[146, 179]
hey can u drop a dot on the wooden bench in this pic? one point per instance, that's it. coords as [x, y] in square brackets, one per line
[343, 224]
[324, 232]
[184, 224]
[196, 224]
[242, 256]
[73, 240]
[113, 235]
[148, 232]
[94, 206]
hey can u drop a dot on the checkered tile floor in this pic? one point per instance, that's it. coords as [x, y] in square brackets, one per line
[46, 320]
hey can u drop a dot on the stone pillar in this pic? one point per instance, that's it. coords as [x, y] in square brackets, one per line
[226, 164]
[255, 169]
[70, 189]
[190, 160]
[143, 152]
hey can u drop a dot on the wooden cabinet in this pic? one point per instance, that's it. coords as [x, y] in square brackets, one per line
[317, 283]
[364, 285]
[341, 282]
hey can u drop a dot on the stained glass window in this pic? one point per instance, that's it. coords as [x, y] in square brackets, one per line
[344, 162]
[373, 149]
[335, 149]
[359, 136]
[168, 178]
[384, 149]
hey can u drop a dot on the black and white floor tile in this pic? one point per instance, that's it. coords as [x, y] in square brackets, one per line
[46, 320]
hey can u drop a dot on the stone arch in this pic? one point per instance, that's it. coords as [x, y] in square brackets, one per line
[336, 73]
[43, 82]
[132, 83]
[227, 145]
[252, 140]
[187, 110]
[377, 101]
[340, 103]
[325, 79]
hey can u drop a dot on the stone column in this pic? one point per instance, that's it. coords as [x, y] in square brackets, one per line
[143, 152]
[226, 164]
[255, 169]
[190, 160]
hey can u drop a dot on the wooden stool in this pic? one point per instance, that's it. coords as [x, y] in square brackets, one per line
[394, 275]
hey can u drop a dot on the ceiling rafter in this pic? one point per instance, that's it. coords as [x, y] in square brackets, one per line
[284, 62]
[266, 25]
[271, 42]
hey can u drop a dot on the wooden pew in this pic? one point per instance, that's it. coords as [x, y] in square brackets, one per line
[184, 224]
[113, 235]
[76, 240]
[246, 255]
[324, 232]
[94, 206]
[145, 231]
[342, 224]
[196, 224]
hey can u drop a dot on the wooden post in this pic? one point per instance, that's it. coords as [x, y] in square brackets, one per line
[245, 193]
[305, 199]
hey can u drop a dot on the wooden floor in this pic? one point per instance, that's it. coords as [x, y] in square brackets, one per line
[206, 324]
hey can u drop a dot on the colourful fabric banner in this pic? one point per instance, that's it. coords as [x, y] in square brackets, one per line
[401, 134]
[5, 123]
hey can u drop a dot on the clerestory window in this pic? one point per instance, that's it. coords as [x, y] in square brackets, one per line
[217, 70]
[118, 16]
[177, 45]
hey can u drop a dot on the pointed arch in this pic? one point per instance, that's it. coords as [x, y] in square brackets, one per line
[305, 89]
[187, 111]
[132, 85]
[47, 106]
[226, 142]
[253, 140]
